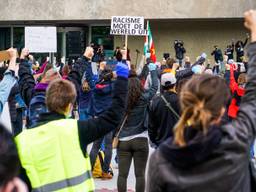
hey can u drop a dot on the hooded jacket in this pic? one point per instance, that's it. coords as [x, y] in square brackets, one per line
[218, 161]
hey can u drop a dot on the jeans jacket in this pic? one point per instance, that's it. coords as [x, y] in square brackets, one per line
[5, 88]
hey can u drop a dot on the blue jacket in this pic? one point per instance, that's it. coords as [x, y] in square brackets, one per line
[102, 97]
[5, 88]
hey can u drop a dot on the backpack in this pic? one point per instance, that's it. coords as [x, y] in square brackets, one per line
[36, 107]
[97, 168]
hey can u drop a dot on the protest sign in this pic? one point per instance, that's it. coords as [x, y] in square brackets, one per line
[127, 25]
[41, 39]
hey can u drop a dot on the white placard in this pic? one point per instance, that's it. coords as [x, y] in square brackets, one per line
[41, 39]
[5, 118]
[127, 25]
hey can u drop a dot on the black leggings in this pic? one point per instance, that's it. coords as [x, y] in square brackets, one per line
[136, 149]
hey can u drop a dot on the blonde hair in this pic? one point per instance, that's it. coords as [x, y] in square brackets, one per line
[202, 99]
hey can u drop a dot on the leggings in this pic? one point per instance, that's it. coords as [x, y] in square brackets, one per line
[136, 149]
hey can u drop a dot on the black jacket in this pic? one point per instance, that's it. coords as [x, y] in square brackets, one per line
[179, 50]
[216, 162]
[161, 118]
[137, 118]
[217, 55]
[230, 52]
[94, 129]
[27, 82]
[240, 50]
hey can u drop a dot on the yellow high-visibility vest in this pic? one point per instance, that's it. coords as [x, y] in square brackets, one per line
[53, 159]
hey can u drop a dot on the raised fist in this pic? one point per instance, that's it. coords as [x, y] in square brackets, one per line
[89, 52]
[250, 20]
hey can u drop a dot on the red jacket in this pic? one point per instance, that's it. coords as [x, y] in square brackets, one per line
[237, 93]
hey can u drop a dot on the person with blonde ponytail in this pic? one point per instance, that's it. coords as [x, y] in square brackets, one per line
[206, 155]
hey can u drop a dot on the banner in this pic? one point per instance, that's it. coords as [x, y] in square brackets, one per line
[41, 39]
[127, 25]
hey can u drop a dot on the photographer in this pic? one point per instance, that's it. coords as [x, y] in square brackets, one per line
[179, 50]
[217, 53]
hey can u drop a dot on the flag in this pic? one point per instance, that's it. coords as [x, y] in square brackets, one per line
[149, 46]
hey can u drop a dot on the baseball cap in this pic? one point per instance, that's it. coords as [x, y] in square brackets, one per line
[168, 79]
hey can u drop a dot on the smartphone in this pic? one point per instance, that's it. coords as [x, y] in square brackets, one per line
[4, 56]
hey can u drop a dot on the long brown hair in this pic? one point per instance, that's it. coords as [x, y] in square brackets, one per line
[202, 100]
[135, 91]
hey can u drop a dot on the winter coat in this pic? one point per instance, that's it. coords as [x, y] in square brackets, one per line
[218, 161]
[102, 97]
[218, 57]
[137, 118]
[161, 118]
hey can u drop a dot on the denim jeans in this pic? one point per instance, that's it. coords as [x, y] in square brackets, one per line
[107, 150]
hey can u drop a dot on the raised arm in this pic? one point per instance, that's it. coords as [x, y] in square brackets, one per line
[26, 79]
[148, 95]
[9, 79]
[81, 66]
[245, 125]
[246, 41]
[93, 129]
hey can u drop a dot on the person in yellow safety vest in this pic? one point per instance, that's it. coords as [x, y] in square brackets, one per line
[53, 154]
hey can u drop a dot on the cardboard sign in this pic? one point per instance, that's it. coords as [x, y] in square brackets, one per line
[4, 56]
[41, 39]
[126, 25]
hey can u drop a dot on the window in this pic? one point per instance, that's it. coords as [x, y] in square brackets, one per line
[101, 36]
[5, 38]
[18, 38]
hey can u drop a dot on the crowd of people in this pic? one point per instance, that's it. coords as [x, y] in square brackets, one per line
[199, 120]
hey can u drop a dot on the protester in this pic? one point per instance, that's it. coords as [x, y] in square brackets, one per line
[237, 90]
[179, 50]
[17, 108]
[164, 111]
[9, 164]
[230, 51]
[133, 142]
[102, 99]
[85, 102]
[56, 157]
[218, 57]
[9, 79]
[32, 92]
[240, 49]
[205, 155]
[65, 71]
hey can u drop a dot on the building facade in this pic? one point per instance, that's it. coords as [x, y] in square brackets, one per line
[201, 24]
